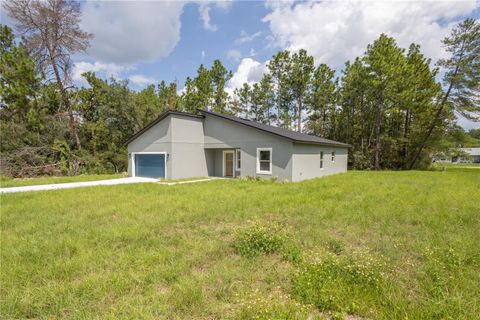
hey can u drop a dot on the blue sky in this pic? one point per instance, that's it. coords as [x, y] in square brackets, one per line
[235, 31]
[239, 33]
[150, 41]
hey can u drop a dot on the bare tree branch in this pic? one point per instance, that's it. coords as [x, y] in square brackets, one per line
[52, 33]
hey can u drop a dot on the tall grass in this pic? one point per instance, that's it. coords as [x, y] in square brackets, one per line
[151, 251]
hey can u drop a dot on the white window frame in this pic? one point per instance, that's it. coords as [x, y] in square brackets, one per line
[258, 161]
[223, 162]
[164, 159]
[333, 156]
[322, 162]
[238, 159]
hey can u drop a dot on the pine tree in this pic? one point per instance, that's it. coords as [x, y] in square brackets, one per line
[322, 101]
[461, 80]
[385, 67]
[300, 79]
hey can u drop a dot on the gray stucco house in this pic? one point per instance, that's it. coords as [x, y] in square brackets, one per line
[184, 145]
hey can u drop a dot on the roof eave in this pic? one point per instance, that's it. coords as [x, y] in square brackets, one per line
[344, 145]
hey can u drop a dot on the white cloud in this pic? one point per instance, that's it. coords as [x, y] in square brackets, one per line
[105, 69]
[337, 31]
[108, 70]
[141, 80]
[131, 32]
[222, 4]
[234, 54]
[128, 32]
[204, 10]
[203, 54]
[278, 4]
[245, 37]
[249, 71]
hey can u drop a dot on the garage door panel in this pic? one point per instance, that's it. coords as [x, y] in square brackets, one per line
[150, 165]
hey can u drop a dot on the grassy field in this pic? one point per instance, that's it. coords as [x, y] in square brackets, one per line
[368, 245]
[6, 182]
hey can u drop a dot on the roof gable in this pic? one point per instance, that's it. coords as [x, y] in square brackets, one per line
[160, 118]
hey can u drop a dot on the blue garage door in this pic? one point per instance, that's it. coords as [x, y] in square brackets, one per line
[150, 165]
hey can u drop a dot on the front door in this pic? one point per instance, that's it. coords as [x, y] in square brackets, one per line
[228, 164]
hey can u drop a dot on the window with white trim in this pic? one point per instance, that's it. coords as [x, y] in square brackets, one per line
[239, 159]
[321, 159]
[264, 160]
[333, 156]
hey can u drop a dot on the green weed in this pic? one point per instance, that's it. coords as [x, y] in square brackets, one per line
[260, 239]
[340, 284]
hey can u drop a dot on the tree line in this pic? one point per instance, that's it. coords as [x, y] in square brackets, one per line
[387, 103]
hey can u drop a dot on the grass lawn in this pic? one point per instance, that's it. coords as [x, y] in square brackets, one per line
[8, 182]
[371, 245]
[454, 165]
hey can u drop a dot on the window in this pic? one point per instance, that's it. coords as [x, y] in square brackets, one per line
[321, 159]
[264, 160]
[333, 156]
[239, 161]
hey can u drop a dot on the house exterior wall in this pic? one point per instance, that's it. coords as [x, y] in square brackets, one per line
[225, 134]
[155, 139]
[218, 159]
[187, 156]
[181, 138]
[306, 161]
[210, 157]
[195, 148]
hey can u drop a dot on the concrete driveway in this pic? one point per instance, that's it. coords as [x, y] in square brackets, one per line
[71, 185]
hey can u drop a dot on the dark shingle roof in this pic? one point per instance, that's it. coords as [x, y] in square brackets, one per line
[285, 133]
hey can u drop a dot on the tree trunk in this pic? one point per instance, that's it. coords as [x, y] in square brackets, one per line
[66, 101]
[432, 125]
[299, 119]
[324, 119]
[406, 132]
[440, 109]
[378, 127]
[427, 136]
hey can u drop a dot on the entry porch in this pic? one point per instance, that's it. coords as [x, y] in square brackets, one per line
[225, 163]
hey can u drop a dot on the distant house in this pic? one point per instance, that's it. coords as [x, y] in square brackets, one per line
[460, 155]
[471, 155]
[183, 145]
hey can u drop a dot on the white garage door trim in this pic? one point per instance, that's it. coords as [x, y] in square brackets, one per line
[164, 159]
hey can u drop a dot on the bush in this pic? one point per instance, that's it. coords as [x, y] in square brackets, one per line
[259, 239]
